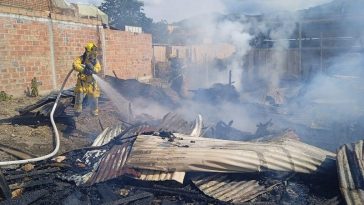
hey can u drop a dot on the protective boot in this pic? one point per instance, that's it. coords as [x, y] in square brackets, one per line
[95, 106]
[78, 103]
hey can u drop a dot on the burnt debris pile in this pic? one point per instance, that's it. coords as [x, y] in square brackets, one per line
[172, 160]
[144, 164]
[218, 93]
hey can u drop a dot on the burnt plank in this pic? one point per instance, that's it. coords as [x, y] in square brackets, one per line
[106, 193]
[26, 198]
[4, 188]
[33, 183]
[135, 197]
[33, 173]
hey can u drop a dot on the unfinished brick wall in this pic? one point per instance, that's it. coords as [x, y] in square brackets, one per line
[25, 51]
[24, 54]
[128, 54]
[69, 42]
[41, 5]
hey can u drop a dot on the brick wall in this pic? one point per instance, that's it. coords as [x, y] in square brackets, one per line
[42, 5]
[24, 54]
[25, 51]
[69, 42]
[128, 54]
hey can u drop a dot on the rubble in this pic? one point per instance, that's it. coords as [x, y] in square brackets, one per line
[351, 172]
[46, 104]
[28, 167]
[119, 164]
[229, 189]
[164, 96]
[172, 160]
[4, 188]
[217, 94]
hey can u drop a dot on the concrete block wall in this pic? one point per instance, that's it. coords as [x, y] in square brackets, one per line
[33, 45]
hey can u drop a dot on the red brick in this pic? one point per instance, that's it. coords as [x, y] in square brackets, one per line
[28, 45]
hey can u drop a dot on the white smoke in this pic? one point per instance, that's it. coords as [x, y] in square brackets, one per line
[238, 31]
[336, 96]
[91, 2]
[176, 10]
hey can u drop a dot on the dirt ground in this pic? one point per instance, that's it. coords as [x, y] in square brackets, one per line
[34, 135]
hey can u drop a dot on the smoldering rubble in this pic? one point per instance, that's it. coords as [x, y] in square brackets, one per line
[172, 160]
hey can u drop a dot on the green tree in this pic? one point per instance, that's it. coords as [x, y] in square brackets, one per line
[126, 12]
[131, 13]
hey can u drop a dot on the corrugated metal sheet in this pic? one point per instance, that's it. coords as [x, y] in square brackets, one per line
[153, 175]
[173, 122]
[211, 155]
[112, 164]
[351, 172]
[107, 135]
[197, 130]
[137, 129]
[224, 188]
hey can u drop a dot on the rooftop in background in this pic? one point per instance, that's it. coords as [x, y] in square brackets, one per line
[91, 11]
[62, 7]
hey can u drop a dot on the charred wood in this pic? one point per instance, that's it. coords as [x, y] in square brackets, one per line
[106, 193]
[135, 197]
[33, 173]
[4, 188]
[26, 198]
[32, 183]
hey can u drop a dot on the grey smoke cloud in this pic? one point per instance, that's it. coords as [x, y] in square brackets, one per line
[175, 10]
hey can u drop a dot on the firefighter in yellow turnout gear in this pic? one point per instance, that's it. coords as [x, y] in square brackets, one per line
[86, 65]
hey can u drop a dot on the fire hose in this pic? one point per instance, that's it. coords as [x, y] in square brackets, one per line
[56, 133]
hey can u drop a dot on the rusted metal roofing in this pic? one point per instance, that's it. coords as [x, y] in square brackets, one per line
[351, 172]
[225, 188]
[186, 153]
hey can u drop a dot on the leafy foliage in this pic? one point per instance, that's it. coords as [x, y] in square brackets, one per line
[131, 13]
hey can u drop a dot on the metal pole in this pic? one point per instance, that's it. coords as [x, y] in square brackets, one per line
[300, 48]
[321, 53]
[230, 83]
[153, 61]
[204, 62]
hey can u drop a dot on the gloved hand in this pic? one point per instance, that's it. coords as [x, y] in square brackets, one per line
[89, 69]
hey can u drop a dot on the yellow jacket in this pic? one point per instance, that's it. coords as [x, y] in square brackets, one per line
[86, 84]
